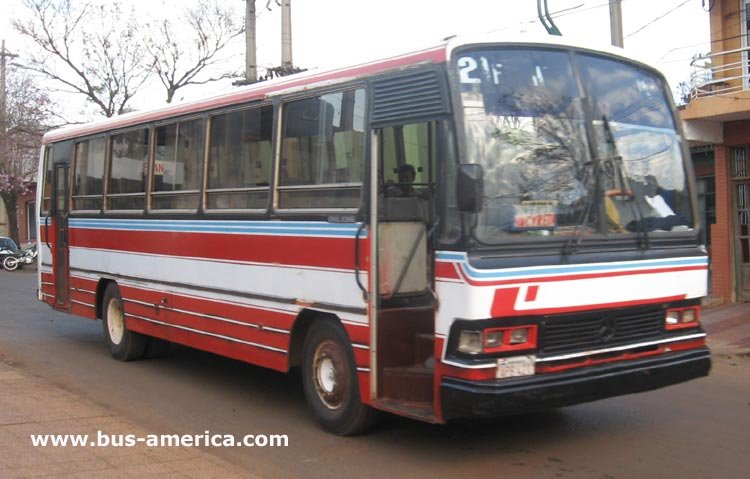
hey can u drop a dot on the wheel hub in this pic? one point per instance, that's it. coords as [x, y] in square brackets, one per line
[330, 374]
[115, 321]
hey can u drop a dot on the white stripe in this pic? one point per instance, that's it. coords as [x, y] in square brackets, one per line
[275, 330]
[84, 291]
[82, 303]
[193, 313]
[275, 285]
[594, 352]
[205, 333]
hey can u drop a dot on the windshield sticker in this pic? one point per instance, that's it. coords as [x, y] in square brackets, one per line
[535, 215]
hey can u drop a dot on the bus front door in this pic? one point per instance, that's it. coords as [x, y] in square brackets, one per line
[404, 306]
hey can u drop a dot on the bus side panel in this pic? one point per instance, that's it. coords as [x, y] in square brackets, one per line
[217, 345]
[83, 297]
[208, 285]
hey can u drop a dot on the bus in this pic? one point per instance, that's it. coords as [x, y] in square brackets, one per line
[478, 228]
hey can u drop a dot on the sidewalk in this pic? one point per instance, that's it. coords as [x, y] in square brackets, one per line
[30, 405]
[728, 328]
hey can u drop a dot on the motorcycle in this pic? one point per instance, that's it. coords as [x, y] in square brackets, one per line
[14, 261]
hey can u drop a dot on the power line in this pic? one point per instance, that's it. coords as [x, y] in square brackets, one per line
[657, 18]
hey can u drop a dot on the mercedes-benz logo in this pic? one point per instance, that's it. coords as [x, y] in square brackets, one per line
[607, 330]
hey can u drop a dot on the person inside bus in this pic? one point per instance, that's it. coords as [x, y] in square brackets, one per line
[405, 185]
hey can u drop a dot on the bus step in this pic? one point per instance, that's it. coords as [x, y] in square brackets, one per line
[424, 350]
[423, 411]
[409, 383]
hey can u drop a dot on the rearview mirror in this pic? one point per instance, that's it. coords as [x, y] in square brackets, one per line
[470, 188]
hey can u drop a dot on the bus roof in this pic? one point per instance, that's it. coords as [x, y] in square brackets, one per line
[437, 53]
[254, 92]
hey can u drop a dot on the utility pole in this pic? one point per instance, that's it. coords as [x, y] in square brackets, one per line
[615, 22]
[286, 34]
[4, 54]
[251, 63]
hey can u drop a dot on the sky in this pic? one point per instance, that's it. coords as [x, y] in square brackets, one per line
[665, 33]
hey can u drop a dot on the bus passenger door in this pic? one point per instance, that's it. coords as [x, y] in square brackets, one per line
[60, 261]
[404, 306]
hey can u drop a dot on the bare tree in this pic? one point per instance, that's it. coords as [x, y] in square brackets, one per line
[28, 108]
[194, 58]
[91, 49]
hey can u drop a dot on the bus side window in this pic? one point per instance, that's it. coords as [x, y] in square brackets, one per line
[239, 160]
[322, 151]
[88, 174]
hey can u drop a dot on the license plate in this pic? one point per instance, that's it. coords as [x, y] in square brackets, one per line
[515, 366]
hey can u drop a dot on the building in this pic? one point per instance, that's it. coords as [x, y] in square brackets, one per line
[26, 218]
[717, 124]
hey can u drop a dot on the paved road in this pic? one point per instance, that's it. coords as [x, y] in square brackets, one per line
[694, 430]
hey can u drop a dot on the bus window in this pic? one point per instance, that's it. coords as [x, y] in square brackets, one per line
[322, 151]
[407, 157]
[178, 165]
[88, 179]
[239, 161]
[47, 188]
[128, 171]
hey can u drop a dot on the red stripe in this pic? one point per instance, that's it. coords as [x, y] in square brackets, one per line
[446, 270]
[358, 333]
[285, 250]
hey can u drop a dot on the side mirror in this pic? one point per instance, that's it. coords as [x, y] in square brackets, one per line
[470, 188]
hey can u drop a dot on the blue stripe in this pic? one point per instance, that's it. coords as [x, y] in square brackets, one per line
[568, 269]
[291, 228]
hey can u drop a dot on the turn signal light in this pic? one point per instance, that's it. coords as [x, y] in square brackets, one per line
[513, 338]
[679, 318]
[495, 340]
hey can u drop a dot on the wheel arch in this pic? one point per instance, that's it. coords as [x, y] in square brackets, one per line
[101, 287]
[302, 324]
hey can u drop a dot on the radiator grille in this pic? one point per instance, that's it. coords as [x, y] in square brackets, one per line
[573, 333]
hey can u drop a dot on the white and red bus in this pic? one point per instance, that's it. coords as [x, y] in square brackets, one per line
[474, 229]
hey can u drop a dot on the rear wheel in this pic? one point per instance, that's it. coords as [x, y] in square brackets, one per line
[123, 344]
[330, 381]
[11, 263]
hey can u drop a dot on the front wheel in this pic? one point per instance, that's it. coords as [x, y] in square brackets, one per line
[124, 345]
[329, 377]
[11, 263]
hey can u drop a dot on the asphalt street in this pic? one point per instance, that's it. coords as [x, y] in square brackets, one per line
[699, 429]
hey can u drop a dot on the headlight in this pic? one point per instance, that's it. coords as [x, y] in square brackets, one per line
[679, 318]
[470, 342]
[519, 336]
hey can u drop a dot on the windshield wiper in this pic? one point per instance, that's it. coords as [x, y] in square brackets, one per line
[614, 160]
[574, 242]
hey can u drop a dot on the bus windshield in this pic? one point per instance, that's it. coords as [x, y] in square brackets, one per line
[571, 144]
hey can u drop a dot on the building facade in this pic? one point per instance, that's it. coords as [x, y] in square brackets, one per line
[26, 218]
[717, 123]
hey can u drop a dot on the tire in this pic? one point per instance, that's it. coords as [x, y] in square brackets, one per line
[157, 348]
[124, 345]
[11, 263]
[329, 378]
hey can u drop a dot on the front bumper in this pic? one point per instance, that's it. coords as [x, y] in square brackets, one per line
[466, 399]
